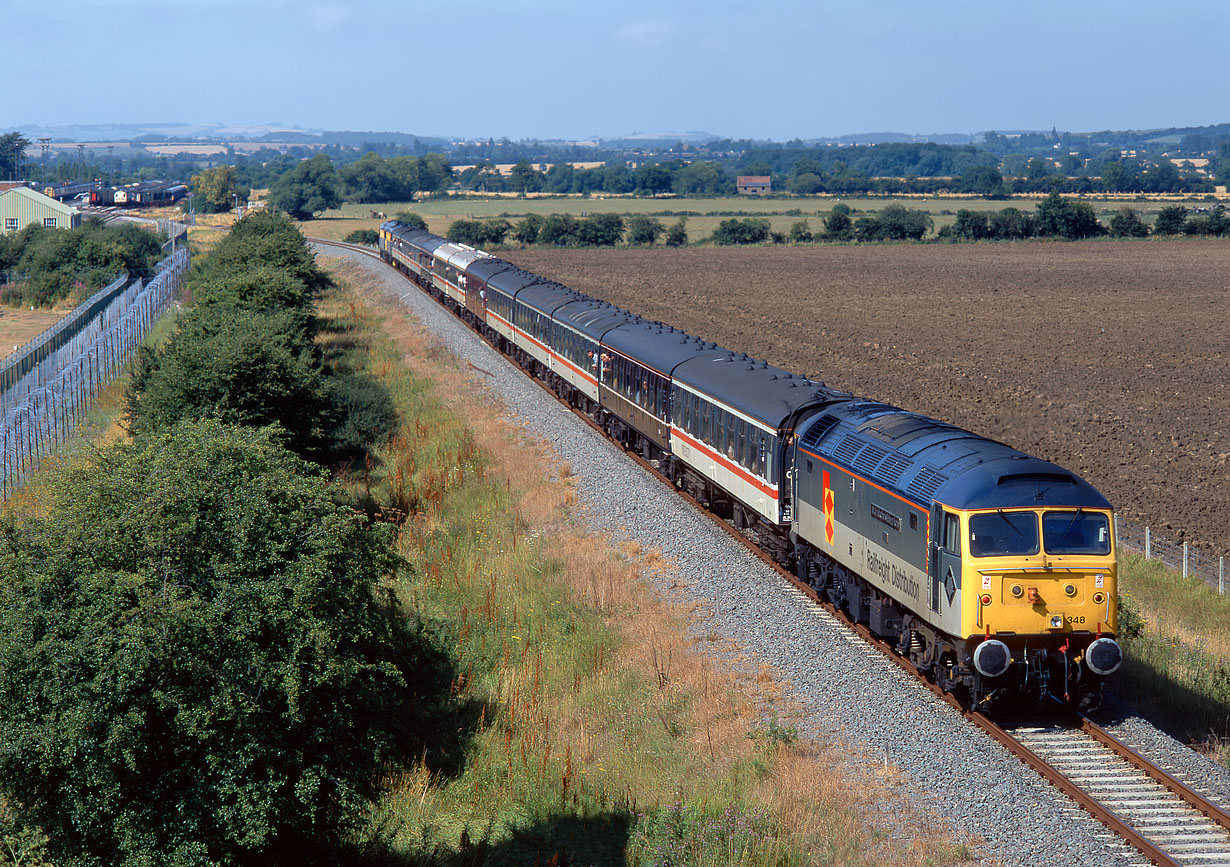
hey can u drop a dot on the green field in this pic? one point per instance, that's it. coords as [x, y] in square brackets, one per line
[704, 214]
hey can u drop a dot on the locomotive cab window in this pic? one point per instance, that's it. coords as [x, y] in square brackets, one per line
[1003, 534]
[1077, 532]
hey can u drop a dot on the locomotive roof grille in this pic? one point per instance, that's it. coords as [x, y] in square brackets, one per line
[925, 484]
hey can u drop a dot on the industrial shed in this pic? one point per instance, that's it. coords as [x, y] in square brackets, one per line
[21, 206]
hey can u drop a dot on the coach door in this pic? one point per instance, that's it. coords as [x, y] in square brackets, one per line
[945, 560]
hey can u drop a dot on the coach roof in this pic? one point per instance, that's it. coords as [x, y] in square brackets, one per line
[546, 296]
[488, 266]
[658, 346]
[755, 388]
[514, 279]
[591, 317]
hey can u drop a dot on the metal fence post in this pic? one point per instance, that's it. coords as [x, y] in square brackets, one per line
[1184, 559]
[1147, 543]
[1221, 575]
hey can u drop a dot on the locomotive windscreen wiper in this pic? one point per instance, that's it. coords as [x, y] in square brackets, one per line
[1072, 522]
[1000, 512]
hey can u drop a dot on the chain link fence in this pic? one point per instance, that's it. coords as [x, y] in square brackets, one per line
[47, 386]
[1179, 556]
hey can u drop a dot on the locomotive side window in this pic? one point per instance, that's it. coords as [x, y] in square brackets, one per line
[952, 533]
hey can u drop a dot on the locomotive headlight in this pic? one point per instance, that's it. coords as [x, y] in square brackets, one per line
[1056, 621]
[1018, 591]
[1099, 598]
[1070, 589]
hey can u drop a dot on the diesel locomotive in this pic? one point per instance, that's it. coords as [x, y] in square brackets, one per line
[992, 570]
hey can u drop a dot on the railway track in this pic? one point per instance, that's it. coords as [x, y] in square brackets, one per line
[1167, 821]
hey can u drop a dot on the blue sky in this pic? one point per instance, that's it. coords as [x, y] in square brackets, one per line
[553, 69]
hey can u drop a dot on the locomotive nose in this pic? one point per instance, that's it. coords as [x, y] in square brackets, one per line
[1104, 656]
[992, 658]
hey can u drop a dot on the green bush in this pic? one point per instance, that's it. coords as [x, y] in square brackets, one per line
[199, 664]
[238, 366]
[52, 265]
[370, 237]
[364, 413]
[752, 230]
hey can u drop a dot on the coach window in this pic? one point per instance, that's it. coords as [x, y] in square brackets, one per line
[704, 420]
[742, 446]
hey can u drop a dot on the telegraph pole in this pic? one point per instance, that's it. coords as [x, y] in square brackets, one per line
[45, 144]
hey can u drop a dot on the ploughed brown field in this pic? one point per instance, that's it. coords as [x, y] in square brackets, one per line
[1111, 359]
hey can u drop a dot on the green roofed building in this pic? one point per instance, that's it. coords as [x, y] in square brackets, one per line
[21, 206]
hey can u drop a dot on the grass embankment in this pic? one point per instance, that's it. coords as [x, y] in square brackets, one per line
[1177, 673]
[592, 730]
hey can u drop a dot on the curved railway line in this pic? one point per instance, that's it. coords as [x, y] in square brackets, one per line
[1157, 813]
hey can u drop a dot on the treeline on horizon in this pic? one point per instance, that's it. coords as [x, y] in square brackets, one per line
[999, 165]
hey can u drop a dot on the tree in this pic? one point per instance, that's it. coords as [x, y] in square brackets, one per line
[677, 234]
[800, 232]
[971, 225]
[371, 179]
[1067, 218]
[524, 178]
[528, 229]
[1011, 224]
[214, 190]
[806, 184]
[12, 151]
[652, 179]
[411, 219]
[494, 231]
[751, 230]
[200, 664]
[241, 367]
[644, 230]
[837, 225]
[898, 223]
[1127, 224]
[600, 230]
[700, 177]
[466, 232]
[1170, 220]
[1117, 177]
[981, 179]
[558, 229]
[307, 189]
[1163, 178]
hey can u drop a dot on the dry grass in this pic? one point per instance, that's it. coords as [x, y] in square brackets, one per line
[650, 717]
[19, 326]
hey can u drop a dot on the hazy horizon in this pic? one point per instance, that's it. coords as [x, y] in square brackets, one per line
[548, 69]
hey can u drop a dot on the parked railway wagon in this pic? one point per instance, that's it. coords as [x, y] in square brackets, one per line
[992, 570]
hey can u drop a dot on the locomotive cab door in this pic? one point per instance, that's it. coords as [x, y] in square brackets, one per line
[945, 560]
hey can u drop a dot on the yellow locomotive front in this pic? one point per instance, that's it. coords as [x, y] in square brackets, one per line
[1041, 615]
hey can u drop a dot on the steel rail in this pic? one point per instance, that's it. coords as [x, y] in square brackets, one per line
[1107, 817]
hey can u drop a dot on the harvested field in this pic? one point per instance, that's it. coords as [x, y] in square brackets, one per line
[1112, 359]
[19, 326]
